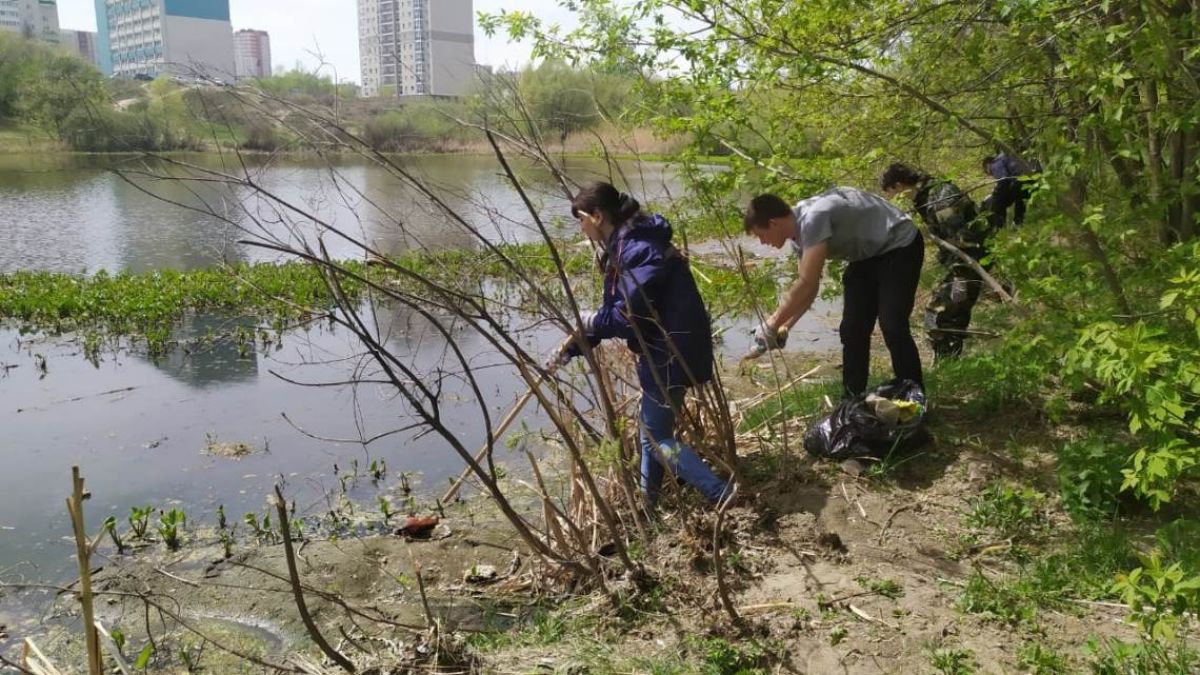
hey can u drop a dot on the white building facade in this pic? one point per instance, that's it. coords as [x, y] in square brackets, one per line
[81, 42]
[252, 53]
[152, 37]
[34, 19]
[416, 47]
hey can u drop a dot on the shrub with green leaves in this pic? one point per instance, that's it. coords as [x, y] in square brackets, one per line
[1150, 368]
[1113, 657]
[1009, 510]
[1159, 593]
[1090, 476]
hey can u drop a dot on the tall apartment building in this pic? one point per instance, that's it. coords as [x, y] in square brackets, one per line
[35, 19]
[252, 53]
[81, 42]
[416, 47]
[151, 37]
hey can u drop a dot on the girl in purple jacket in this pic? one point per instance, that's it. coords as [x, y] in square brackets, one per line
[650, 301]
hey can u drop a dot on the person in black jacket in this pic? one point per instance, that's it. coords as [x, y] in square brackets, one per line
[650, 301]
[951, 216]
[1008, 190]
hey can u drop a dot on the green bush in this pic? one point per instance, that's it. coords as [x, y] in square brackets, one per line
[105, 130]
[1113, 657]
[261, 135]
[1090, 476]
[418, 127]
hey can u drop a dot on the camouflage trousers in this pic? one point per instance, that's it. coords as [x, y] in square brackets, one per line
[949, 311]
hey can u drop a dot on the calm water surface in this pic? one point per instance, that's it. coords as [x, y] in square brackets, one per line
[69, 213]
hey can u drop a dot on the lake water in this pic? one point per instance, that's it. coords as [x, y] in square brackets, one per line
[68, 213]
[139, 428]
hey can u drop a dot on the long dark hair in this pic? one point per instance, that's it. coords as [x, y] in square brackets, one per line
[901, 174]
[603, 197]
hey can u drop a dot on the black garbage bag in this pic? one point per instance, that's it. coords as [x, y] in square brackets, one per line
[889, 417]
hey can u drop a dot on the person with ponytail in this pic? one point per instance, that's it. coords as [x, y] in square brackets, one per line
[951, 215]
[650, 301]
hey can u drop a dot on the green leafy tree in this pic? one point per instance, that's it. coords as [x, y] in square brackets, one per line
[1102, 97]
[566, 99]
[15, 70]
[302, 85]
[65, 85]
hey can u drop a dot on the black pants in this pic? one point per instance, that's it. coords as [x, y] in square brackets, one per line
[949, 310]
[1008, 192]
[882, 288]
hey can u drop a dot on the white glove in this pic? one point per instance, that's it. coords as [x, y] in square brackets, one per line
[564, 353]
[588, 319]
[766, 338]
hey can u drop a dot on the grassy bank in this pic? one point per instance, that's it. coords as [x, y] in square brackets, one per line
[19, 138]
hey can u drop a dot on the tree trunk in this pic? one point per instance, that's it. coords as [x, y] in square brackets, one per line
[1179, 196]
[1154, 162]
[1189, 198]
[1072, 204]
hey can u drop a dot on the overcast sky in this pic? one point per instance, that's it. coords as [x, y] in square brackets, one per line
[300, 27]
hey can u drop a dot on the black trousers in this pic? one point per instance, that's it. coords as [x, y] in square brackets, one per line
[1008, 192]
[948, 313]
[883, 289]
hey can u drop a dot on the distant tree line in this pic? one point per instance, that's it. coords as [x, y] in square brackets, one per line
[69, 100]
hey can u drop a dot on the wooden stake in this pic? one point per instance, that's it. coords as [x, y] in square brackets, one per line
[75, 508]
[496, 433]
[38, 664]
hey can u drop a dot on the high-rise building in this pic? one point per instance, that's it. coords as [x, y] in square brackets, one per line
[151, 37]
[252, 53]
[35, 19]
[416, 47]
[81, 42]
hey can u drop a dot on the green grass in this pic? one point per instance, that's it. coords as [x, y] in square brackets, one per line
[1038, 659]
[540, 627]
[1081, 566]
[1001, 601]
[951, 661]
[1010, 378]
[1010, 511]
[20, 138]
[718, 656]
[887, 588]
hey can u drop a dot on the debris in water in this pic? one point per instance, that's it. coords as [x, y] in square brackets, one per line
[228, 450]
[481, 574]
[417, 526]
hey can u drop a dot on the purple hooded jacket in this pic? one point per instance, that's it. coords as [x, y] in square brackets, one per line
[651, 301]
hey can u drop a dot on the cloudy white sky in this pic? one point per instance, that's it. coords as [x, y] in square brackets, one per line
[299, 28]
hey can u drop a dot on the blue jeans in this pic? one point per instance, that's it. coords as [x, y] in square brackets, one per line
[660, 448]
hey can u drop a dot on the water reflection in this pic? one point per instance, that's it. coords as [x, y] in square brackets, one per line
[208, 354]
[70, 213]
[139, 428]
